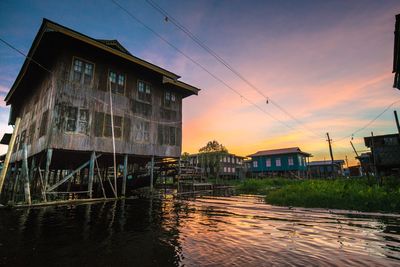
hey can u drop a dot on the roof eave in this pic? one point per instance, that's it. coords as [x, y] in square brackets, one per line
[52, 26]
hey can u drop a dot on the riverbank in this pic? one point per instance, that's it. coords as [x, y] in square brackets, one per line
[351, 194]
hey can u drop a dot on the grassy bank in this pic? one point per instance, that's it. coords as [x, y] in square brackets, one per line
[351, 194]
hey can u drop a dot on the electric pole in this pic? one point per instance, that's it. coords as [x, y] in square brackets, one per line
[330, 152]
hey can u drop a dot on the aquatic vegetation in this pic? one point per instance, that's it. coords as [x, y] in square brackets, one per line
[353, 194]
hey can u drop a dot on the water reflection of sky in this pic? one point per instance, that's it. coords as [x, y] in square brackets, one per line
[208, 231]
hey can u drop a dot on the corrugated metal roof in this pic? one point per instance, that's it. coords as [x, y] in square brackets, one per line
[290, 150]
[325, 162]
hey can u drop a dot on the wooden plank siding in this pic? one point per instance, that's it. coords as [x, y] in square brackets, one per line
[50, 102]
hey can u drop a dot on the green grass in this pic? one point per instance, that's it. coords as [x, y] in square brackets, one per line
[352, 194]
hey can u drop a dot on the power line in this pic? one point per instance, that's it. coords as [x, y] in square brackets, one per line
[199, 65]
[170, 18]
[203, 67]
[369, 123]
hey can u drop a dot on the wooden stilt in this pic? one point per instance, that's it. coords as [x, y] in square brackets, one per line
[151, 173]
[25, 173]
[91, 174]
[32, 174]
[63, 180]
[123, 190]
[15, 186]
[46, 172]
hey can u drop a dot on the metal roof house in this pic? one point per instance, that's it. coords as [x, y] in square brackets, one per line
[286, 161]
[77, 99]
[323, 168]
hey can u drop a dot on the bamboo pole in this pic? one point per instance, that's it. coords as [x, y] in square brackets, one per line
[25, 170]
[9, 153]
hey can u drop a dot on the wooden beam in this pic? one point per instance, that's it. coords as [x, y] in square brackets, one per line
[9, 153]
[71, 174]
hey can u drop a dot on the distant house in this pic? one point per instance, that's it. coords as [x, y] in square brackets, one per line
[224, 165]
[323, 168]
[385, 151]
[287, 161]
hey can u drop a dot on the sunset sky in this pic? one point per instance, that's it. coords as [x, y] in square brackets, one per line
[327, 63]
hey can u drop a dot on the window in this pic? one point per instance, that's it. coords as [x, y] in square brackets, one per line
[142, 132]
[117, 120]
[169, 98]
[144, 91]
[233, 170]
[290, 161]
[268, 162]
[43, 124]
[117, 82]
[32, 129]
[83, 72]
[102, 125]
[225, 169]
[300, 158]
[255, 164]
[278, 162]
[168, 135]
[70, 117]
[83, 121]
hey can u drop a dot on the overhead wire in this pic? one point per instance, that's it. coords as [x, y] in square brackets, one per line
[225, 63]
[200, 65]
[369, 123]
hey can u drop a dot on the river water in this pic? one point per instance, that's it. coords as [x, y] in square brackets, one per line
[206, 231]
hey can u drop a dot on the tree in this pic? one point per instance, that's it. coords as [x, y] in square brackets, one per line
[210, 157]
[213, 146]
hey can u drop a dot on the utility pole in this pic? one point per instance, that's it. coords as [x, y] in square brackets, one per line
[330, 152]
[397, 121]
[347, 162]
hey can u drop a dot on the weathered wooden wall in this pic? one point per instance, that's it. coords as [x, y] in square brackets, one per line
[144, 128]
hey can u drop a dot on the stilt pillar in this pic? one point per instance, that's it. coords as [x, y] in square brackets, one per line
[46, 173]
[91, 174]
[151, 173]
[25, 174]
[123, 190]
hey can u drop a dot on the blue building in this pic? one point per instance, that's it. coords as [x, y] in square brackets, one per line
[286, 162]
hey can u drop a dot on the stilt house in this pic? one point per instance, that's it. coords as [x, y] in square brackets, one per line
[76, 96]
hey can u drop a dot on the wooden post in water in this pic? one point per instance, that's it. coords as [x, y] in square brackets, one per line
[123, 190]
[49, 155]
[91, 174]
[151, 174]
[9, 152]
[25, 174]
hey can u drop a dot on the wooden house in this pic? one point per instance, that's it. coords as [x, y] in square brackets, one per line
[385, 153]
[325, 168]
[77, 99]
[287, 162]
[221, 164]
